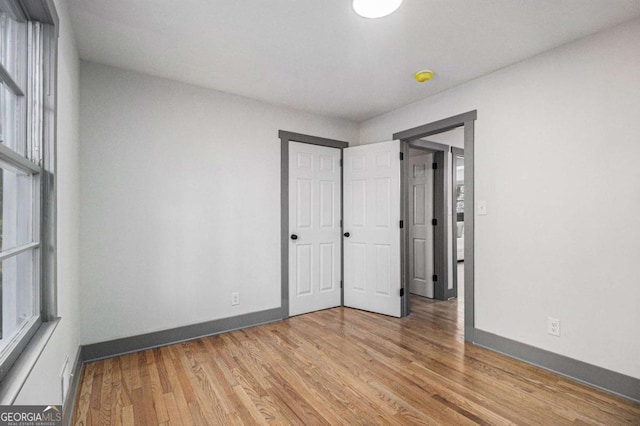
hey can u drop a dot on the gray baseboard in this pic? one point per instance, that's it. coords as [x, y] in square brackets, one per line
[127, 345]
[76, 375]
[610, 381]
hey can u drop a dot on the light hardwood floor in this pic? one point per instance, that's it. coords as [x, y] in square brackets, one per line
[339, 366]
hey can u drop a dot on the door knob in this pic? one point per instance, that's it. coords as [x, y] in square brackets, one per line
[346, 234]
[294, 237]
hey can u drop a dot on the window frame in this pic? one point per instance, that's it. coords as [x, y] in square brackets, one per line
[39, 108]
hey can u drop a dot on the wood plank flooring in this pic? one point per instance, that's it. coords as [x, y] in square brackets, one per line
[339, 366]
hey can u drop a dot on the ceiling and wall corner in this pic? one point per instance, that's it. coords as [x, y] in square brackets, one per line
[319, 56]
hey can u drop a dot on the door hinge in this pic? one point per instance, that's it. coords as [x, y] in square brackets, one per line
[401, 292]
[435, 278]
[434, 222]
[434, 166]
[340, 283]
[340, 223]
[401, 156]
[341, 162]
[401, 224]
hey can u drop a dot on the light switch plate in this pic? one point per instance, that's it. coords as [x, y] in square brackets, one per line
[482, 208]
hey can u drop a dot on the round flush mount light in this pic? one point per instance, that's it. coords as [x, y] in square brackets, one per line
[375, 8]
[424, 75]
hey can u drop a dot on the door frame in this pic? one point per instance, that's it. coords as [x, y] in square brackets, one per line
[285, 138]
[466, 120]
[440, 243]
[455, 152]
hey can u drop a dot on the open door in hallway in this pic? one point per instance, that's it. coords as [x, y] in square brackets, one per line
[371, 185]
[420, 226]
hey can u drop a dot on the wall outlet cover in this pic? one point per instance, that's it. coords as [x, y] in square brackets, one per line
[553, 326]
[482, 207]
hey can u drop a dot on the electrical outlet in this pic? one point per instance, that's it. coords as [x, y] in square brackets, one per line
[553, 326]
[235, 298]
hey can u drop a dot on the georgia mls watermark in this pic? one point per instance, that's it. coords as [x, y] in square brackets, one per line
[30, 415]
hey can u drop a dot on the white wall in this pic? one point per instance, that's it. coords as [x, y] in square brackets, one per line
[557, 149]
[43, 385]
[180, 201]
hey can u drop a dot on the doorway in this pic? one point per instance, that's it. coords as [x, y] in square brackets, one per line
[371, 223]
[309, 166]
[385, 196]
[466, 122]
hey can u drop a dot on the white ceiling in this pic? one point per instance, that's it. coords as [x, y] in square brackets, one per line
[319, 56]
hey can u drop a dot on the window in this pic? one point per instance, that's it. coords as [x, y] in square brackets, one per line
[27, 198]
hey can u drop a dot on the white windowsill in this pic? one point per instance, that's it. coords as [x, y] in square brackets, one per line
[16, 377]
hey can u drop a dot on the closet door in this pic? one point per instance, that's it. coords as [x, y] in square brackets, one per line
[314, 228]
[371, 188]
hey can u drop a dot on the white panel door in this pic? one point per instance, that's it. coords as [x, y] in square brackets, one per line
[314, 222]
[372, 227]
[420, 228]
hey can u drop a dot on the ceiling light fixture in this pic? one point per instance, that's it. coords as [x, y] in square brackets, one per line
[375, 8]
[424, 75]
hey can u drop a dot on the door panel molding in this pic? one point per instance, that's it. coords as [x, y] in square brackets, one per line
[420, 229]
[372, 217]
[314, 212]
[285, 138]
